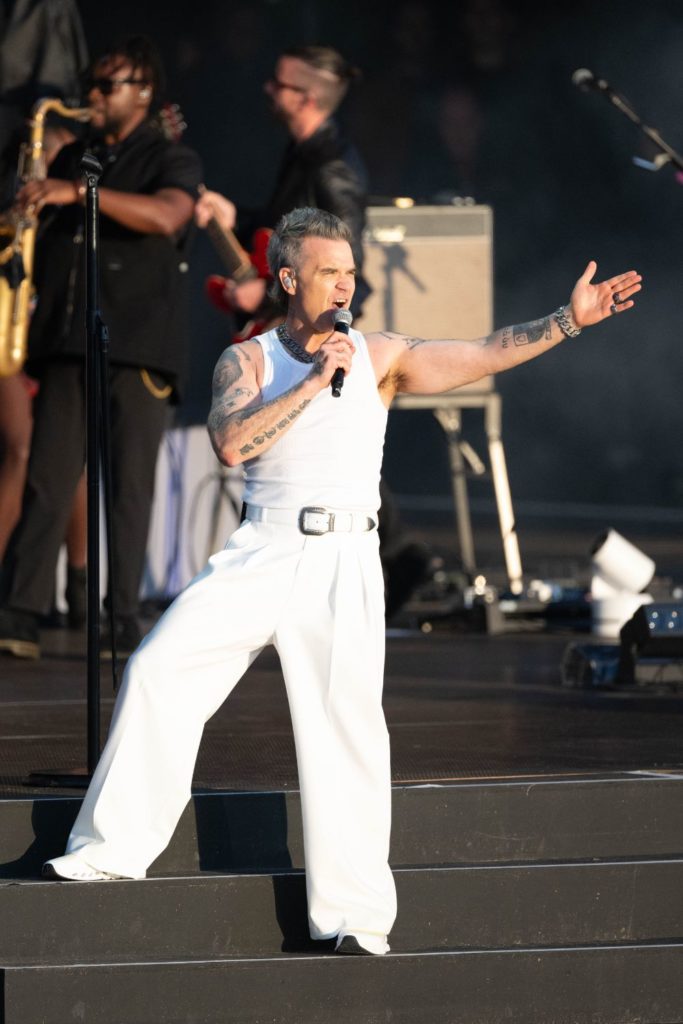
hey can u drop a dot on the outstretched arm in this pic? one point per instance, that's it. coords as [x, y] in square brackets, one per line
[420, 366]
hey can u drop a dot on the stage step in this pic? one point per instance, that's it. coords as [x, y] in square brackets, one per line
[625, 815]
[591, 985]
[261, 915]
[530, 901]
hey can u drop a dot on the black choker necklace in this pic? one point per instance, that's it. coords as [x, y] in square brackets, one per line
[293, 347]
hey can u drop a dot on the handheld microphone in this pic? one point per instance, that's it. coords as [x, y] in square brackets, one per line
[343, 318]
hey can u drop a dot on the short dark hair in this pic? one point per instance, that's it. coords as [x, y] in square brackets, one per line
[142, 55]
[335, 73]
[285, 242]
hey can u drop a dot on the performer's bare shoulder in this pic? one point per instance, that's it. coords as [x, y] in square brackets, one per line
[237, 381]
[385, 349]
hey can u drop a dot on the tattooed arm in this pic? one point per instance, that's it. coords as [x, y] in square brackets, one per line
[425, 367]
[241, 425]
[419, 366]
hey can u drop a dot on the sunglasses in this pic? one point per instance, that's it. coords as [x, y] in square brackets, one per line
[107, 85]
[278, 85]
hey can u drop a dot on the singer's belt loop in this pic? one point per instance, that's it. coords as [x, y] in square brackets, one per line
[314, 521]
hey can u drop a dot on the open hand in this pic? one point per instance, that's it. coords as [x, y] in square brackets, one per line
[591, 303]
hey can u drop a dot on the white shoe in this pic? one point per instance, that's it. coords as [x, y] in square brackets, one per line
[73, 869]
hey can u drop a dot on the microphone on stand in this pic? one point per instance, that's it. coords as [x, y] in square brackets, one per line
[584, 79]
[343, 318]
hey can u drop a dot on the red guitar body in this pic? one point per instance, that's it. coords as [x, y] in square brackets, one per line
[258, 262]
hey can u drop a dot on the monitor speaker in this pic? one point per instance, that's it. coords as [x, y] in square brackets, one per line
[430, 268]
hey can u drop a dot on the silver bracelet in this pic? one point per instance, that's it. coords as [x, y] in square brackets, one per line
[566, 323]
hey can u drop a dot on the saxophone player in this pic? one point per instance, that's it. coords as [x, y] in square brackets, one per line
[147, 194]
[17, 391]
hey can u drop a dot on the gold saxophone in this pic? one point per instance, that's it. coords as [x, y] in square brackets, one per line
[18, 239]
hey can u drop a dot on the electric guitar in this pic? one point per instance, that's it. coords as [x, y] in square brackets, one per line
[170, 121]
[241, 266]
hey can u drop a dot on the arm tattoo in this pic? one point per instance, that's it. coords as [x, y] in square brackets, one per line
[409, 343]
[229, 403]
[412, 343]
[528, 334]
[228, 371]
[506, 337]
[266, 435]
[221, 412]
[225, 395]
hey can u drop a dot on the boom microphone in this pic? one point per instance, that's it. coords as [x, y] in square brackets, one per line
[584, 79]
[343, 318]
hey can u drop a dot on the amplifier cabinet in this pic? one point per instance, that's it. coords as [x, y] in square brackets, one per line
[430, 268]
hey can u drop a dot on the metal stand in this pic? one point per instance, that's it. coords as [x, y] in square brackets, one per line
[97, 458]
[447, 408]
[667, 154]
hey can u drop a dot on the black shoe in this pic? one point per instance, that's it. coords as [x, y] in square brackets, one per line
[75, 597]
[350, 946]
[128, 637]
[19, 633]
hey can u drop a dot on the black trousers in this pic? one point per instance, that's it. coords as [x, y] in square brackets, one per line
[56, 462]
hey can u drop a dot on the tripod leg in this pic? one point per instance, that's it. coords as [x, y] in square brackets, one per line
[506, 518]
[450, 420]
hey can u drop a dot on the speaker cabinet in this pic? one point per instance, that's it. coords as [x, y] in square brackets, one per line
[430, 268]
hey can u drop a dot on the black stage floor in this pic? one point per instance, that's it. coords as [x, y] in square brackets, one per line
[459, 705]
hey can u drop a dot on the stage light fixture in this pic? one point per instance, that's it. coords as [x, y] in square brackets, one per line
[651, 649]
[620, 574]
[621, 564]
[655, 631]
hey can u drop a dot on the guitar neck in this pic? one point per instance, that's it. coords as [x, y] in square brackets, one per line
[235, 258]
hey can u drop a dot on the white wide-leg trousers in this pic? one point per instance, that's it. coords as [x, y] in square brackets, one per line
[320, 601]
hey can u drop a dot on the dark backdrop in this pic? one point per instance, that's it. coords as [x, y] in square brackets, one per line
[475, 98]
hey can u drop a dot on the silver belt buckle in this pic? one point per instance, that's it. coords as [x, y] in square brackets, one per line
[315, 531]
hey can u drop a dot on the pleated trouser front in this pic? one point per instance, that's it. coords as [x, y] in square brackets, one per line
[319, 600]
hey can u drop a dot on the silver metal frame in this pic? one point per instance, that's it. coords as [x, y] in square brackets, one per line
[447, 408]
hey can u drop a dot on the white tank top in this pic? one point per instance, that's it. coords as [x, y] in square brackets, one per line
[332, 453]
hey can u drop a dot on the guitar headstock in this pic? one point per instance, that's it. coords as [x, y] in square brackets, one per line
[170, 121]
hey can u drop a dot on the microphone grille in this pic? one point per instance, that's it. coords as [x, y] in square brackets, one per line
[583, 78]
[343, 316]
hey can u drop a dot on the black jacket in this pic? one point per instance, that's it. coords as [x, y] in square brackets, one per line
[324, 171]
[143, 277]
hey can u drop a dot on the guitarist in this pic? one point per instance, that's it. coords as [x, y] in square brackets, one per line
[320, 168]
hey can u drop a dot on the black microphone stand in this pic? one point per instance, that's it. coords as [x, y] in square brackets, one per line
[97, 458]
[97, 455]
[652, 134]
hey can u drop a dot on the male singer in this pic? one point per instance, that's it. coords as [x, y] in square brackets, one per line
[302, 572]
